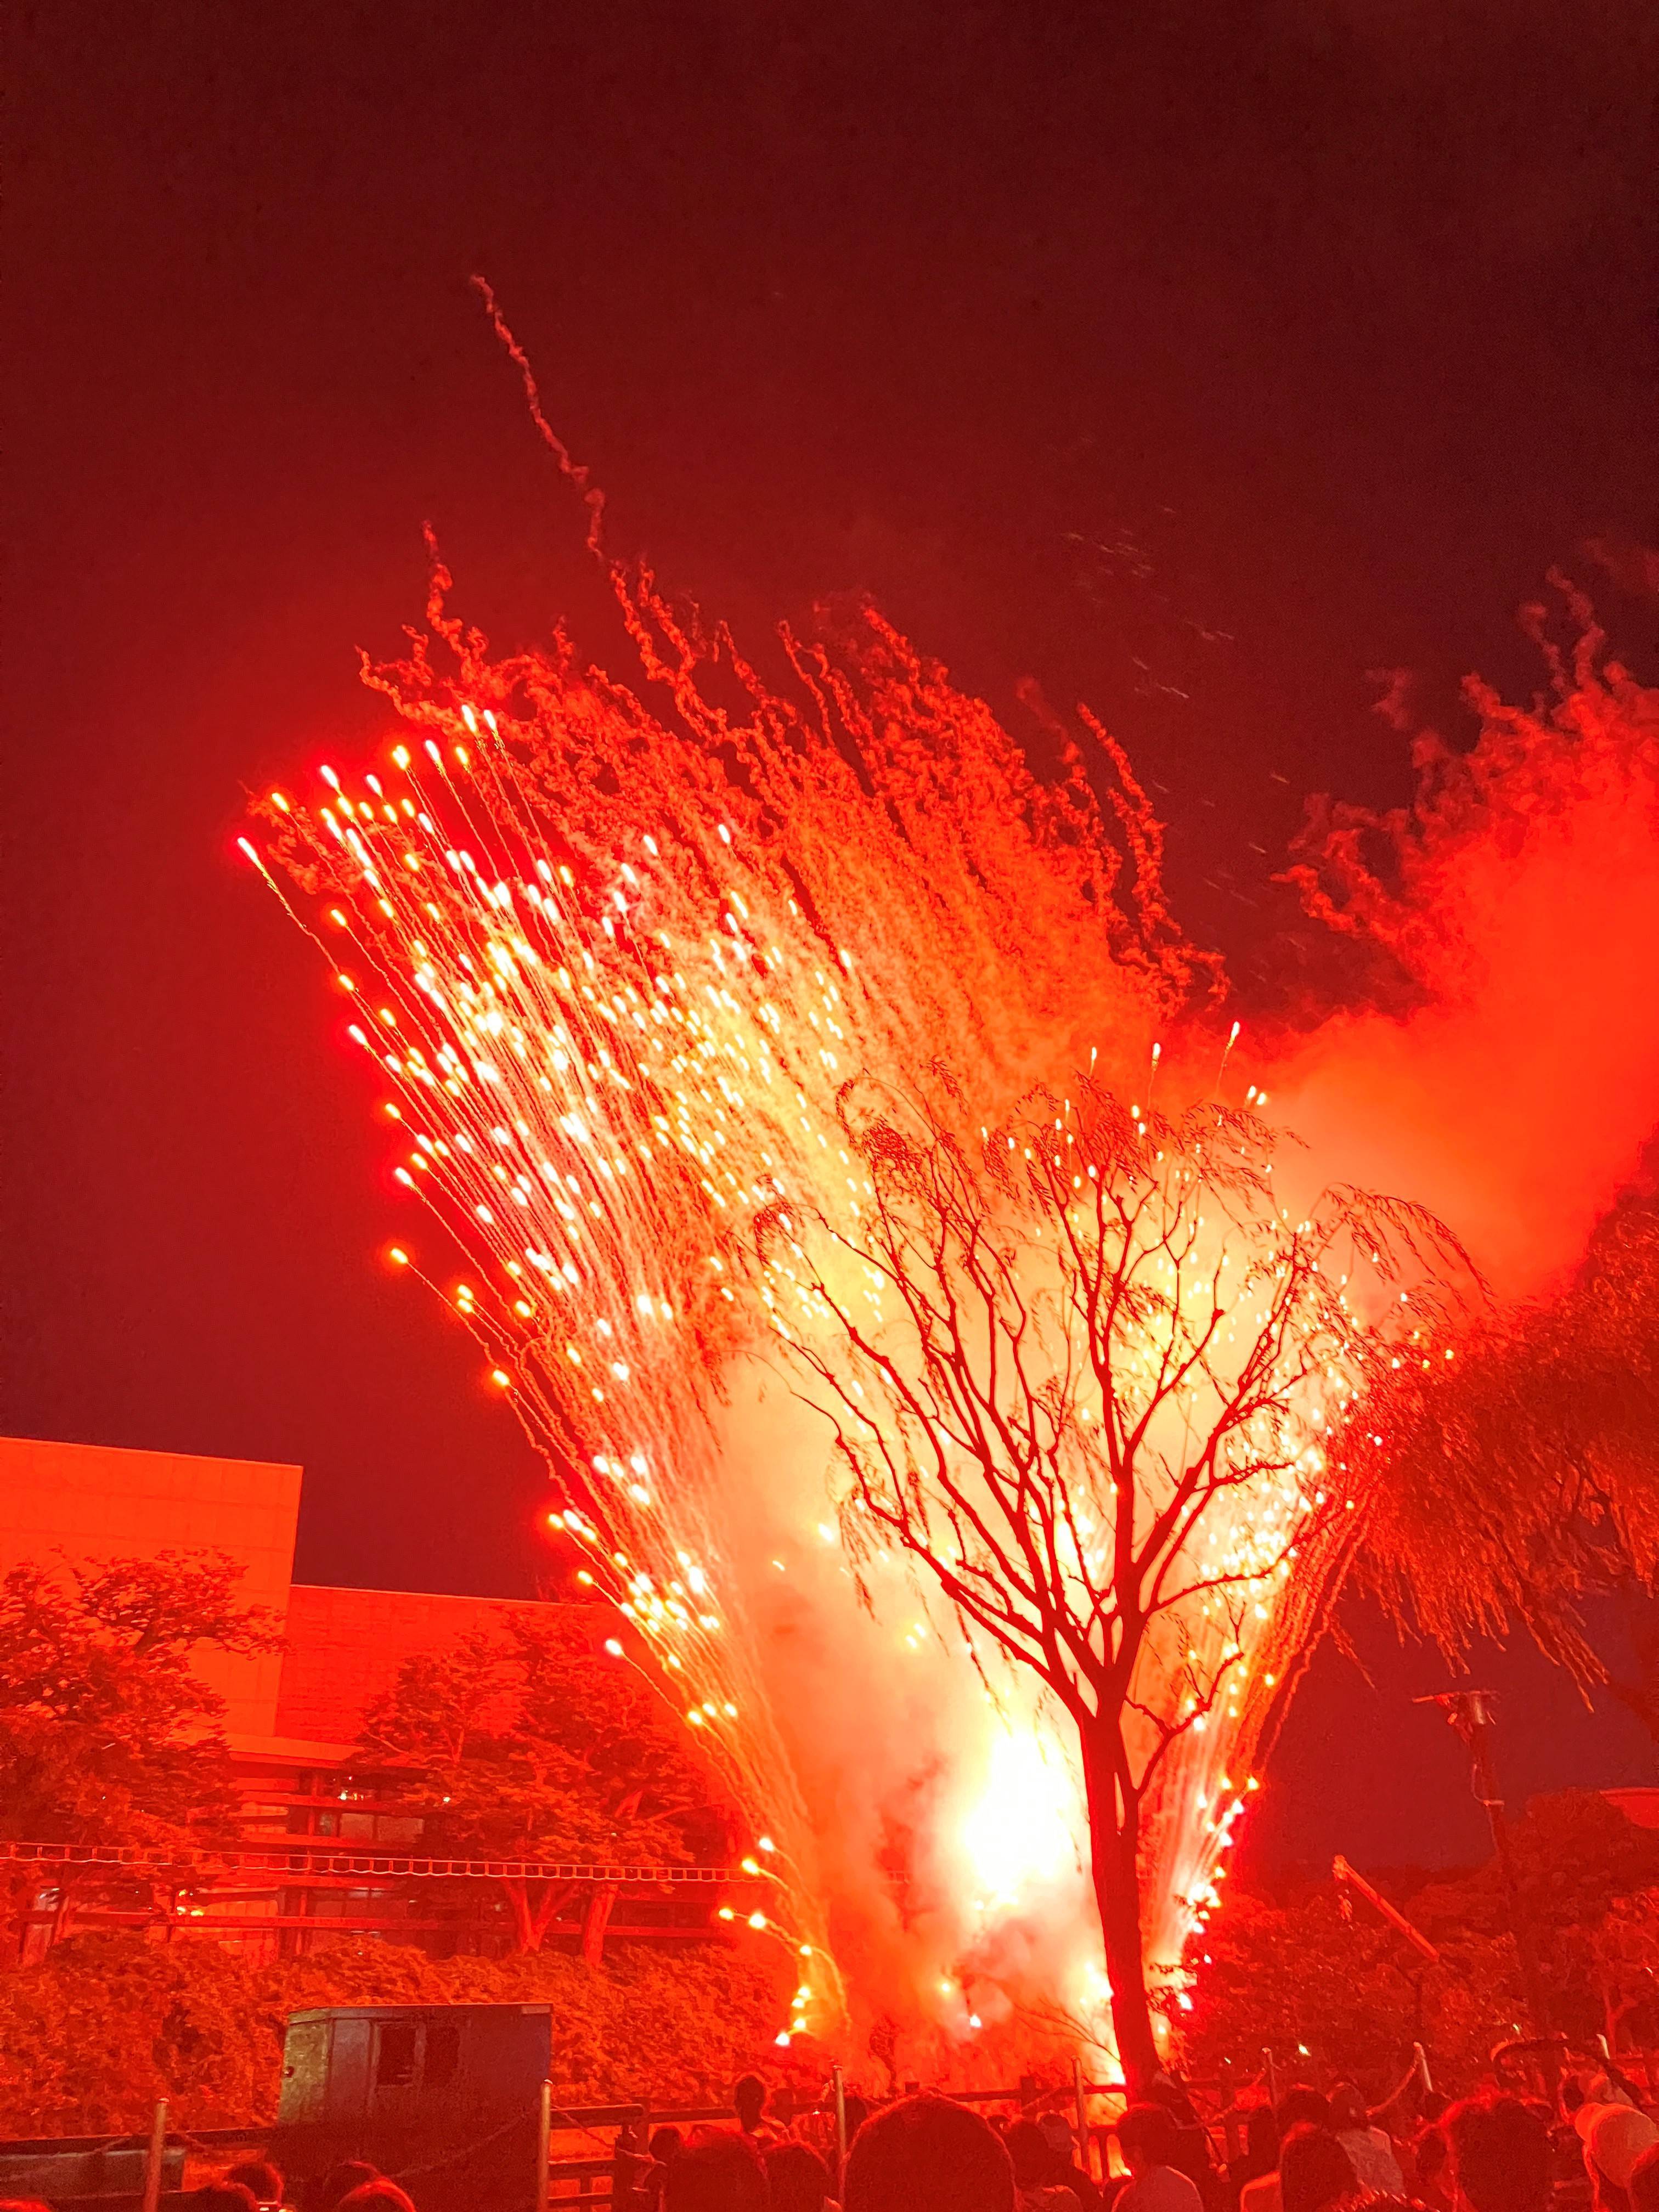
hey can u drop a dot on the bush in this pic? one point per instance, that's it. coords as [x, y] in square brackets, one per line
[94, 2033]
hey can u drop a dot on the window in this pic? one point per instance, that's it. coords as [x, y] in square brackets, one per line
[394, 2065]
[443, 2053]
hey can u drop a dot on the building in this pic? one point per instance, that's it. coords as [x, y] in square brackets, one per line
[325, 1850]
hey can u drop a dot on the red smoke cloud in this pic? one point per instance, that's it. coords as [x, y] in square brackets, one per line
[1517, 903]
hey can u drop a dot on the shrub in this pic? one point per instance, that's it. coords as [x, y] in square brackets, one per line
[105, 2024]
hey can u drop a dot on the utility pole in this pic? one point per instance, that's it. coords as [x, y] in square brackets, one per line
[1470, 1712]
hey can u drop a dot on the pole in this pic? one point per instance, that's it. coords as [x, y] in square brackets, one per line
[1470, 1712]
[1080, 2104]
[1486, 1789]
[543, 2144]
[156, 2156]
[1272, 2076]
[839, 2080]
[1342, 1871]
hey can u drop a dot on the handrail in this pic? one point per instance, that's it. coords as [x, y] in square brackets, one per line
[306, 1855]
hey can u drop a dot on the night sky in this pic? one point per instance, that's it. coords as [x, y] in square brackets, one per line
[1198, 366]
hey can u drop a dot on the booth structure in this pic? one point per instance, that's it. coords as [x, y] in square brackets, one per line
[446, 2098]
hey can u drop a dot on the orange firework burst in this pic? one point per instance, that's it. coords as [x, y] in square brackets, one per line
[616, 968]
[622, 969]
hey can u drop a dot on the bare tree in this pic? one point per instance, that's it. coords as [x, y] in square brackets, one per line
[1083, 1372]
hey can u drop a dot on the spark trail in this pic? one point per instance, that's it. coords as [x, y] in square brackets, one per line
[617, 954]
[615, 968]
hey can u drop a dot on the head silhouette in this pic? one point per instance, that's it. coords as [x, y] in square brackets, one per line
[926, 2155]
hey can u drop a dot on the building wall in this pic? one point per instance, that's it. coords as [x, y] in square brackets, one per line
[89, 1503]
[294, 1717]
[346, 1646]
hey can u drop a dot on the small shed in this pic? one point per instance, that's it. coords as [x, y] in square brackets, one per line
[444, 2098]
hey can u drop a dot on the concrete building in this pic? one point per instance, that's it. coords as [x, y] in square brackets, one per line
[87, 1503]
[349, 1861]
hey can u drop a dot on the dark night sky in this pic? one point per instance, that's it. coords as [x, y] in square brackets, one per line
[1197, 366]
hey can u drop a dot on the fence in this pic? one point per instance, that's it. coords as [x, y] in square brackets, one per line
[584, 2182]
[323, 1857]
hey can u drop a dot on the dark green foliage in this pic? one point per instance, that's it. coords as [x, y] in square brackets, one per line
[104, 1730]
[527, 1742]
[1538, 1445]
[106, 1734]
[105, 2024]
[510, 1742]
[1302, 1971]
[1352, 1991]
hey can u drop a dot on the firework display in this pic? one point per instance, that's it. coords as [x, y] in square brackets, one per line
[619, 967]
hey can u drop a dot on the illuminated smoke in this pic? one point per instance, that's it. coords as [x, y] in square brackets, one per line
[616, 961]
[616, 967]
[1516, 902]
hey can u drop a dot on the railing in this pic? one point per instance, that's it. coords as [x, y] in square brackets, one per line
[322, 1855]
[581, 2181]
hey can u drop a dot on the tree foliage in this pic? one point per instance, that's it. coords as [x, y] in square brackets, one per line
[1539, 1446]
[108, 2023]
[1320, 1969]
[106, 1733]
[1345, 1988]
[1076, 1372]
[527, 1743]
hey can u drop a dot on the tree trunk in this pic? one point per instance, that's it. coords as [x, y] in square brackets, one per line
[20, 1892]
[600, 1906]
[531, 1923]
[1114, 1854]
[63, 1915]
[554, 1900]
[524, 1930]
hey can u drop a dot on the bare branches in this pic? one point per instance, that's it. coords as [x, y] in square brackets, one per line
[1083, 1373]
[1057, 1369]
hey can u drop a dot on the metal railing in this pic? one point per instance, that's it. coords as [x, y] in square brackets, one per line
[322, 1856]
[584, 2180]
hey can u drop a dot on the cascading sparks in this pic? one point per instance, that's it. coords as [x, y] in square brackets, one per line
[616, 968]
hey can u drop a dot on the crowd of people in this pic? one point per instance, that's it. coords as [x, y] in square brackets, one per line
[254, 2185]
[1310, 2151]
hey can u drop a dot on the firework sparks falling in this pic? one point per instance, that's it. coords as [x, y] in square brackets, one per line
[1083, 1372]
[616, 970]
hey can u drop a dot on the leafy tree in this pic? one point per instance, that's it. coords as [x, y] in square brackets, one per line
[529, 1745]
[92, 2035]
[1074, 1370]
[1318, 1970]
[1304, 1976]
[1622, 1961]
[1540, 1445]
[1574, 1854]
[106, 1735]
[1577, 1859]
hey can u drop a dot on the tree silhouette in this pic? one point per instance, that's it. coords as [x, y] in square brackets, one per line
[1081, 1372]
[106, 1736]
[1540, 1445]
